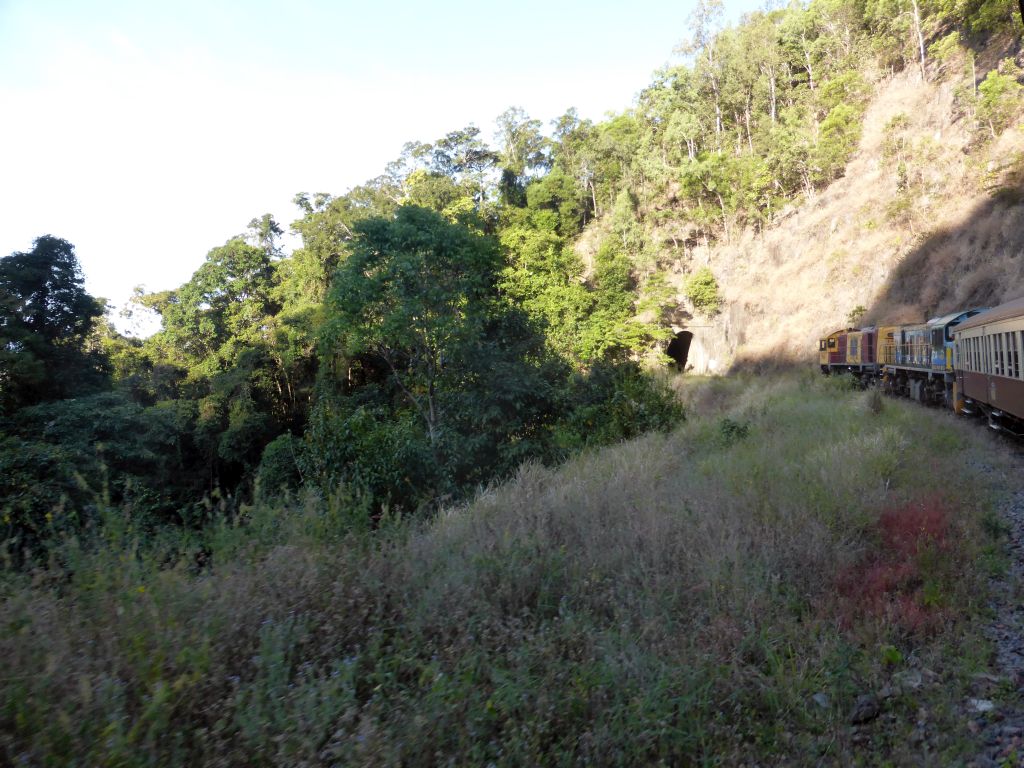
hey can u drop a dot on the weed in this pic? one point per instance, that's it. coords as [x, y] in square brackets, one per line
[732, 432]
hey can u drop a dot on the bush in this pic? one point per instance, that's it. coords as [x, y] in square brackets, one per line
[999, 97]
[612, 403]
[279, 471]
[37, 481]
[702, 290]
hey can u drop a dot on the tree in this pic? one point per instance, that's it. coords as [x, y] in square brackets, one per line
[414, 295]
[45, 319]
[431, 380]
[524, 150]
[264, 232]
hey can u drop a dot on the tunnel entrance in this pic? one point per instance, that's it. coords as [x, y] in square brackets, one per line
[679, 349]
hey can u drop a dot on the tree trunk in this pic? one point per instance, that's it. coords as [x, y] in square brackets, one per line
[718, 104]
[807, 59]
[920, 37]
[746, 117]
[725, 220]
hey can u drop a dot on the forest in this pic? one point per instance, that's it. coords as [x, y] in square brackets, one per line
[440, 325]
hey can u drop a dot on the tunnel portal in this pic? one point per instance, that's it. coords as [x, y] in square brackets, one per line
[679, 349]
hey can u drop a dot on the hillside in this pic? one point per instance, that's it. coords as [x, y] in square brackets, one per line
[426, 490]
[773, 583]
[926, 218]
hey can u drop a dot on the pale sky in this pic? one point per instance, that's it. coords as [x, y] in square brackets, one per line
[148, 132]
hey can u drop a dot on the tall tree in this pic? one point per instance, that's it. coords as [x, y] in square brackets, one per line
[414, 295]
[45, 319]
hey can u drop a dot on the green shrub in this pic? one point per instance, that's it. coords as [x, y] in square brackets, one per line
[999, 97]
[612, 403]
[702, 290]
[279, 470]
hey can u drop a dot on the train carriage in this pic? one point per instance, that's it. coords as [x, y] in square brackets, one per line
[851, 350]
[832, 350]
[886, 336]
[920, 365]
[989, 360]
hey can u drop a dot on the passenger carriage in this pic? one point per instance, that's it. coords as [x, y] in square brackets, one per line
[989, 359]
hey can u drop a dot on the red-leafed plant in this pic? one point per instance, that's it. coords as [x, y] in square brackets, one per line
[905, 575]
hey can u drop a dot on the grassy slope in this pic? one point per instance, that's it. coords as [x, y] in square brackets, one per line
[678, 598]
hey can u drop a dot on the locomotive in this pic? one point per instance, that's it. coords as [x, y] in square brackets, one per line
[971, 361]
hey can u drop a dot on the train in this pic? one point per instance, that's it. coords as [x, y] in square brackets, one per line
[971, 361]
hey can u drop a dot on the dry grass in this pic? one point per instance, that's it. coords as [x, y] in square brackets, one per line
[674, 599]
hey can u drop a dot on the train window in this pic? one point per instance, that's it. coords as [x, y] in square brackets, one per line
[831, 343]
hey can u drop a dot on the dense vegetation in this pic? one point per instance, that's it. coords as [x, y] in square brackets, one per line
[720, 595]
[236, 518]
[441, 323]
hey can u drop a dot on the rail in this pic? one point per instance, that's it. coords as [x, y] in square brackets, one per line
[914, 354]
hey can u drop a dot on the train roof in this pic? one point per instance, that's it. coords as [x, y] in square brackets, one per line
[951, 317]
[1005, 311]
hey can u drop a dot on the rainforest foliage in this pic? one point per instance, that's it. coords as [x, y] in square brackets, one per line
[475, 306]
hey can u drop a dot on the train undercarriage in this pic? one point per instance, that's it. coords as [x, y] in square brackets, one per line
[926, 387]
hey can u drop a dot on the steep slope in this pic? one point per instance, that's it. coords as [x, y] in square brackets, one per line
[927, 217]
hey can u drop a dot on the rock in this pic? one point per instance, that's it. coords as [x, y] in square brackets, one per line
[908, 679]
[866, 709]
[983, 684]
[821, 699]
[980, 705]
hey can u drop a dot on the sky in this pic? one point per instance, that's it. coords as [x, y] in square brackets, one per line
[147, 133]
